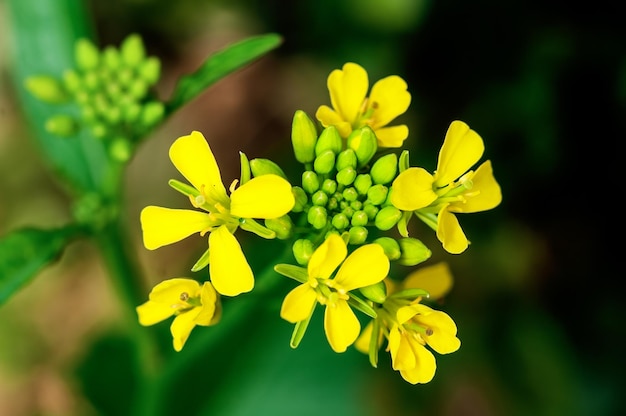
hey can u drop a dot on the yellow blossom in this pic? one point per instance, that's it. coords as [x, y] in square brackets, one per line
[453, 188]
[365, 266]
[352, 109]
[191, 303]
[219, 214]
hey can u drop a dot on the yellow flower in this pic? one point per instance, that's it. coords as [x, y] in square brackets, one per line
[352, 109]
[367, 265]
[221, 215]
[411, 326]
[191, 303]
[453, 188]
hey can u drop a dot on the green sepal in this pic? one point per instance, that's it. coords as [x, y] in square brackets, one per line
[297, 273]
[376, 293]
[251, 225]
[403, 229]
[403, 161]
[246, 172]
[410, 294]
[183, 188]
[300, 329]
[374, 345]
[361, 305]
[413, 251]
[202, 262]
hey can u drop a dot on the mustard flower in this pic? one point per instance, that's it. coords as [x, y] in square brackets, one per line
[365, 266]
[191, 303]
[453, 188]
[352, 109]
[410, 326]
[219, 214]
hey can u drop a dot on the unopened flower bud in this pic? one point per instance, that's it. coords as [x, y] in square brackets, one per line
[300, 197]
[150, 70]
[359, 218]
[325, 162]
[350, 194]
[282, 226]
[387, 218]
[362, 183]
[385, 169]
[329, 140]
[358, 235]
[260, 166]
[111, 58]
[120, 150]
[317, 217]
[310, 182]
[47, 89]
[346, 176]
[132, 50]
[413, 251]
[61, 125]
[71, 80]
[376, 293]
[356, 205]
[138, 89]
[319, 198]
[329, 186]
[332, 203]
[364, 143]
[302, 251]
[340, 221]
[371, 210]
[377, 194]
[303, 137]
[86, 55]
[346, 158]
[152, 113]
[390, 246]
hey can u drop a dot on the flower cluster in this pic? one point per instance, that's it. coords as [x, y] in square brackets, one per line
[346, 219]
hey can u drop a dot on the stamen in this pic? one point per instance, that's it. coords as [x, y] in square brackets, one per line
[429, 331]
[184, 296]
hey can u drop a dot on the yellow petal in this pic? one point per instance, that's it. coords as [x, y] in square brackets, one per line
[436, 280]
[362, 343]
[450, 233]
[193, 157]
[402, 356]
[327, 257]
[461, 149]
[392, 136]
[181, 327]
[443, 338]
[329, 117]
[208, 298]
[389, 98]
[406, 313]
[341, 325]
[298, 303]
[230, 272]
[151, 312]
[413, 189]
[266, 196]
[163, 226]
[425, 365]
[486, 193]
[365, 266]
[348, 88]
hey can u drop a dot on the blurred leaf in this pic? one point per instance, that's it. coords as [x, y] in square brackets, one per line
[24, 252]
[43, 36]
[220, 64]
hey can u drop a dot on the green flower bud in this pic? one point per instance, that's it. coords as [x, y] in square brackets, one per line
[350, 194]
[385, 169]
[359, 218]
[303, 137]
[152, 113]
[99, 130]
[86, 55]
[138, 89]
[358, 235]
[111, 58]
[371, 210]
[88, 114]
[362, 183]
[413, 251]
[356, 205]
[319, 198]
[332, 204]
[310, 181]
[47, 89]
[377, 194]
[348, 211]
[261, 167]
[387, 218]
[346, 176]
[150, 70]
[131, 112]
[125, 77]
[61, 125]
[340, 221]
[329, 140]
[91, 80]
[121, 150]
[132, 50]
[376, 293]
[329, 186]
[114, 90]
[390, 246]
[364, 143]
[300, 197]
[113, 115]
[282, 226]
[325, 162]
[317, 217]
[302, 250]
[71, 80]
[346, 158]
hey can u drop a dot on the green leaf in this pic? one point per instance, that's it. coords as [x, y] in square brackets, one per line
[220, 64]
[24, 252]
[43, 36]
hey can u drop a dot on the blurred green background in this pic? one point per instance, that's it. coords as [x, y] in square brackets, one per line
[537, 298]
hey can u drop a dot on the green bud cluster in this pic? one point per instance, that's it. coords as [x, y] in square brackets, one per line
[346, 189]
[112, 89]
